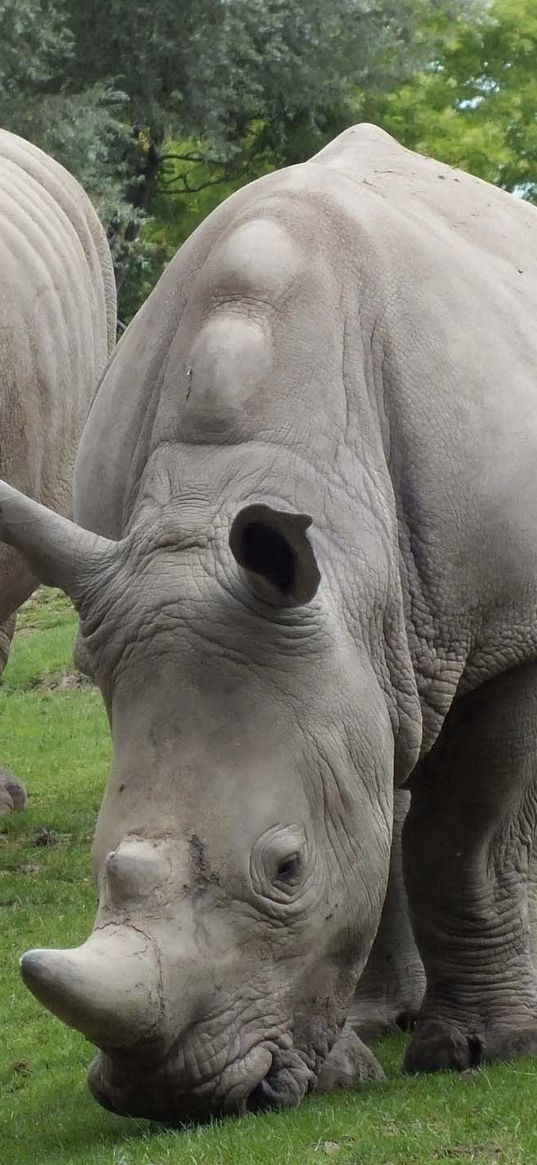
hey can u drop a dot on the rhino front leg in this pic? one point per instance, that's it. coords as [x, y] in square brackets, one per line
[532, 900]
[7, 631]
[467, 846]
[390, 992]
[349, 1064]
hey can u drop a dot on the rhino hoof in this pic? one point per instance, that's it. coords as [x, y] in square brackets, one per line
[439, 1048]
[349, 1064]
[12, 793]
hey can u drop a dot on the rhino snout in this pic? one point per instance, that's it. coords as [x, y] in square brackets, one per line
[123, 1085]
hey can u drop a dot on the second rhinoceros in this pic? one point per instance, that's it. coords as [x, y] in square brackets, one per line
[305, 562]
[57, 329]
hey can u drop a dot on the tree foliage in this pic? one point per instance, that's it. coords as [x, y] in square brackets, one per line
[475, 106]
[162, 107]
[35, 45]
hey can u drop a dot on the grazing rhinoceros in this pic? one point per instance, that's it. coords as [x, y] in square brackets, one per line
[57, 328]
[310, 480]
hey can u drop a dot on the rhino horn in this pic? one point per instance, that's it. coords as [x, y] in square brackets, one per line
[57, 551]
[109, 988]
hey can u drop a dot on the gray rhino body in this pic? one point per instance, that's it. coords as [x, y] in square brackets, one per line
[57, 328]
[352, 341]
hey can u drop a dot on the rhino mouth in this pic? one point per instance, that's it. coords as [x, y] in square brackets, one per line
[257, 1083]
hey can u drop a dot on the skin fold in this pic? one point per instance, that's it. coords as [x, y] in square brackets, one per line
[304, 560]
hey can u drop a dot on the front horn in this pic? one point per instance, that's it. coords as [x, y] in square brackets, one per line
[109, 988]
[57, 551]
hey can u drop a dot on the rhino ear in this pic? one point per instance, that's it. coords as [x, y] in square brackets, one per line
[273, 549]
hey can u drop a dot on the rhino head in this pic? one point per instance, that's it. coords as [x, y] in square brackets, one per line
[242, 848]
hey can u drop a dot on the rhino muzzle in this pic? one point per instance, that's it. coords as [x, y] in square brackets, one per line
[122, 1084]
[147, 1004]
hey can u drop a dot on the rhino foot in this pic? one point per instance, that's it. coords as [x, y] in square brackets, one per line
[439, 1046]
[373, 1017]
[349, 1064]
[12, 793]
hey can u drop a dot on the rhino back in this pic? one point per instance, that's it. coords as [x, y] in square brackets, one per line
[237, 342]
[355, 334]
[57, 319]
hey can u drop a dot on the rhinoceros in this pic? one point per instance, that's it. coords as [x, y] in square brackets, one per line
[305, 564]
[57, 328]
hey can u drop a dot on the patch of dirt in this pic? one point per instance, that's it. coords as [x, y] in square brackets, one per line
[491, 1153]
[70, 682]
[201, 875]
[331, 1148]
[46, 597]
[20, 1070]
[45, 602]
[46, 837]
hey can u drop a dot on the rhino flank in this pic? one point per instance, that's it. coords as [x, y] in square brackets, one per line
[305, 563]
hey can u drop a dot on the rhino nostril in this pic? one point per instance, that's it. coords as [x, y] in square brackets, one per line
[263, 1097]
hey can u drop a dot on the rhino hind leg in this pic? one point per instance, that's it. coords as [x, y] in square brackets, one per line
[467, 845]
[349, 1064]
[12, 791]
[16, 585]
[389, 995]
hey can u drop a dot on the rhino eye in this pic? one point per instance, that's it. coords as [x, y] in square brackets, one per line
[279, 862]
[289, 868]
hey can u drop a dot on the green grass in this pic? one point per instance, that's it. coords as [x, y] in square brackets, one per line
[55, 738]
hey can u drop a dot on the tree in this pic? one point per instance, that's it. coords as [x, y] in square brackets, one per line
[35, 45]
[83, 128]
[208, 69]
[160, 104]
[475, 105]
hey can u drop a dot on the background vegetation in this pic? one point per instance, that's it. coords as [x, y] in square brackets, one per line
[162, 107]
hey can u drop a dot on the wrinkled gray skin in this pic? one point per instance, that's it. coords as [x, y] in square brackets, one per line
[57, 328]
[352, 339]
[390, 992]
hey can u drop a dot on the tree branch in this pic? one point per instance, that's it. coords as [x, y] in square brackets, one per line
[186, 189]
[198, 158]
